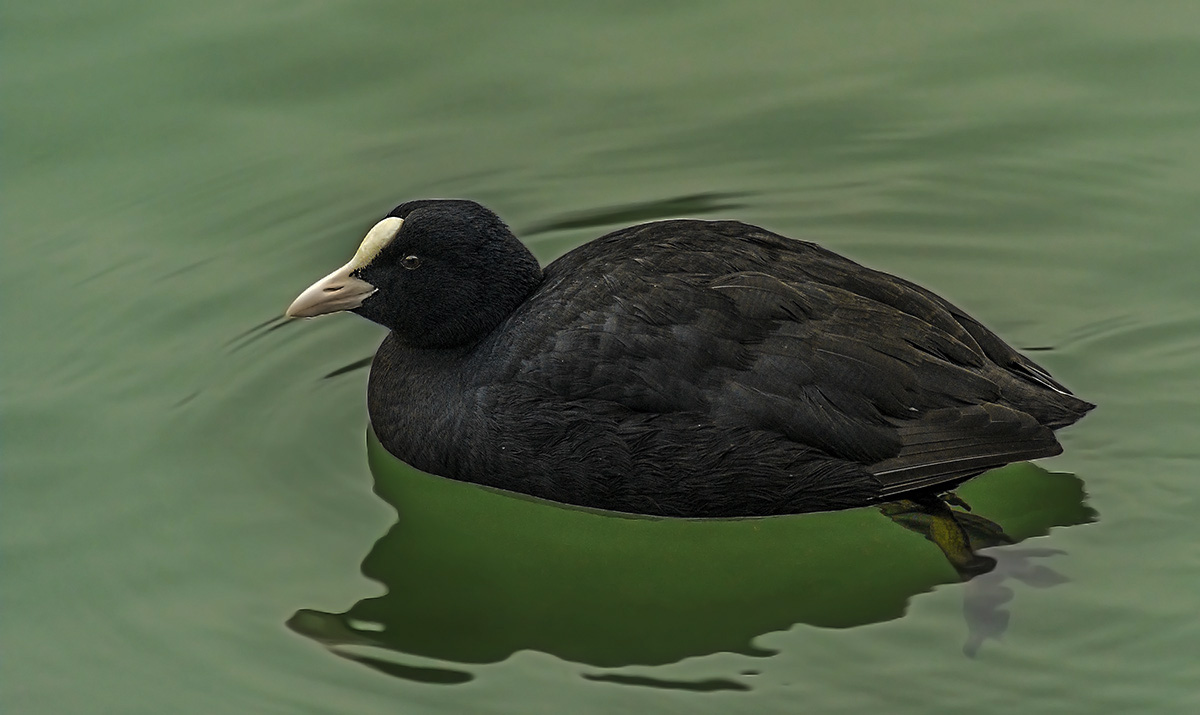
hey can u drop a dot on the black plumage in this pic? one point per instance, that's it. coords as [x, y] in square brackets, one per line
[686, 368]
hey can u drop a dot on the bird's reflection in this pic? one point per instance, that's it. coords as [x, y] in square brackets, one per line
[474, 575]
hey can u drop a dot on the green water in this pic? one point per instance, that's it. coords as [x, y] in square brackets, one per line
[194, 521]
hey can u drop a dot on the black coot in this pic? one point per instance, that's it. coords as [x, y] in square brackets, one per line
[678, 368]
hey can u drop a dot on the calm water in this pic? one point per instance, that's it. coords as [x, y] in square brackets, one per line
[195, 521]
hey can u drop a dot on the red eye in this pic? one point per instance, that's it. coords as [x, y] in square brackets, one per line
[411, 262]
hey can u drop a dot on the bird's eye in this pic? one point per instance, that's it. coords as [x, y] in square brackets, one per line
[411, 262]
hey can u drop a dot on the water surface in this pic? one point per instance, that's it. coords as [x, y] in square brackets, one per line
[192, 519]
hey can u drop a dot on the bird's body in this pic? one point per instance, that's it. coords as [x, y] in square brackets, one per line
[690, 368]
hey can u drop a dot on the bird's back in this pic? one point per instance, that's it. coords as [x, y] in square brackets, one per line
[738, 327]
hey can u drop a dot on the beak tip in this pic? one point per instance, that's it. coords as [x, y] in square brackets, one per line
[296, 312]
[293, 311]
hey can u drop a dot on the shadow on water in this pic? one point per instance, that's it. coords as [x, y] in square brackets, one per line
[474, 575]
[690, 205]
[258, 332]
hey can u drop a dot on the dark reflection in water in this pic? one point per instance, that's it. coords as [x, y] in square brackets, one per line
[351, 367]
[474, 575]
[698, 686]
[678, 206]
[257, 332]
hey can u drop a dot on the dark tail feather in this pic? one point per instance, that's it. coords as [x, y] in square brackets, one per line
[947, 447]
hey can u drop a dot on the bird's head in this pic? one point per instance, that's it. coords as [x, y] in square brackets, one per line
[437, 272]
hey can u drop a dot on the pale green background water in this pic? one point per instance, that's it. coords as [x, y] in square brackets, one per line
[175, 172]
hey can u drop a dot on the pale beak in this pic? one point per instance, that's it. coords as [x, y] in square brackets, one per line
[336, 291]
